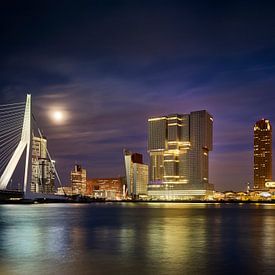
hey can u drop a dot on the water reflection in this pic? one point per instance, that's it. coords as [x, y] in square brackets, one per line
[268, 239]
[137, 238]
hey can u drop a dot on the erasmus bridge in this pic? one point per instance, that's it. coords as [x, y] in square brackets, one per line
[16, 137]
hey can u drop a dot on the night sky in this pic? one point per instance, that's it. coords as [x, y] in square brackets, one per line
[109, 65]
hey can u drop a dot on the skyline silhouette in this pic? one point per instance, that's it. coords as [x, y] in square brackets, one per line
[110, 65]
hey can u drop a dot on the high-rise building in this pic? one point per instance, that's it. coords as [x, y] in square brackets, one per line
[136, 174]
[179, 147]
[79, 180]
[42, 167]
[262, 153]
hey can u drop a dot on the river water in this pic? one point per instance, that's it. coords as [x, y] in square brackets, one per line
[137, 238]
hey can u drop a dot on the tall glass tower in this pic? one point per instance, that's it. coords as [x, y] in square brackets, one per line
[262, 153]
[179, 147]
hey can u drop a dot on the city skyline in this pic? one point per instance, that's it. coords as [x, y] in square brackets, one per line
[114, 66]
[178, 146]
[136, 137]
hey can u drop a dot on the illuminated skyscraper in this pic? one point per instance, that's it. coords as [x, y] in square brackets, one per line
[179, 147]
[136, 174]
[79, 180]
[42, 167]
[262, 153]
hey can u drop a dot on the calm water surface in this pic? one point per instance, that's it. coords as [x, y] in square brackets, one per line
[147, 238]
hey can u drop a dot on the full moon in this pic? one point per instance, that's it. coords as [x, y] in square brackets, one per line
[58, 116]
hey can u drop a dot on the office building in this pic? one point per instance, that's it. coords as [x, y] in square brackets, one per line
[262, 153]
[79, 180]
[43, 172]
[136, 174]
[179, 146]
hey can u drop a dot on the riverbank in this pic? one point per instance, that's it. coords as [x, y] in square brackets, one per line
[88, 201]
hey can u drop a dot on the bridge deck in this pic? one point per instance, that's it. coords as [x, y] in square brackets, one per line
[8, 194]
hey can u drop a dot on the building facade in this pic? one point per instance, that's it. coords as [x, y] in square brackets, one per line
[105, 188]
[43, 172]
[79, 180]
[179, 146]
[64, 191]
[136, 174]
[262, 153]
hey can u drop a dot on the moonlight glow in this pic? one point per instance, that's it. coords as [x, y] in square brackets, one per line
[58, 116]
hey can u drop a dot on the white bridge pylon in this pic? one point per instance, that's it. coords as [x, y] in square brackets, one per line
[24, 145]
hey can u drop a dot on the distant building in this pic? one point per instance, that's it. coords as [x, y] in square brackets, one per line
[262, 153]
[79, 180]
[43, 174]
[105, 188]
[65, 190]
[179, 146]
[270, 184]
[136, 174]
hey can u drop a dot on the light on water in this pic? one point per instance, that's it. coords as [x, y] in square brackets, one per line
[136, 238]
